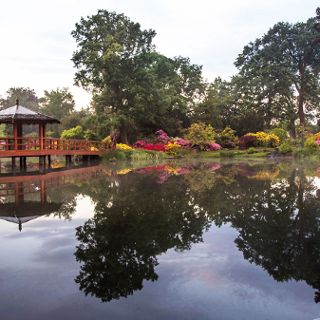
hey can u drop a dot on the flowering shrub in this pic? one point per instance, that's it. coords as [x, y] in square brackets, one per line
[281, 133]
[213, 146]
[162, 136]
[154, 147]
[265, 139]
[140, 143]
[123, 146]
[182, 142]
[248, 141]
[172, 148]
[200, 135]
[226, 138]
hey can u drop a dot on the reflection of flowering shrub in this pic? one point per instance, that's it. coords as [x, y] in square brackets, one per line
[213, 146]
[123, 146]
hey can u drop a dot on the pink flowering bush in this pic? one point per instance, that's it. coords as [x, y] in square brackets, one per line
[213, 146]
[182, 142]
[162, 136]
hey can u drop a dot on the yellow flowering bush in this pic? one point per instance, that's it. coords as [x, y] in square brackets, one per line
[265, 139]
[123, 146]
[123, 171]
[172, 147]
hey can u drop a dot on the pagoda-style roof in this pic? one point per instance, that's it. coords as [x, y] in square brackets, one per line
[23, 114]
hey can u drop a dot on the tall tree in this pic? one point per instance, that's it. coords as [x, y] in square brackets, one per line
[57, 103]
[284, 65]
[27, 98]
[134, 87]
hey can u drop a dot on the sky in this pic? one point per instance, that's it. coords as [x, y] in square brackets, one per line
[37, 46]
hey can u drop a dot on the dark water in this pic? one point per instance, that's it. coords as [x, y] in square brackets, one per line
[178, 241]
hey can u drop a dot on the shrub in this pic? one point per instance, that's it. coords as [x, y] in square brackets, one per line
[311, 145]
[213, 146]
[107, 142]
[200, 135]
[251, 150]
[248, 141]
[280, 133]
[265, 139]
[140, 143]
[73, 133]
[172, 148]
[123, 146]
[226, 138]
[285, 147]
[182, 142]
[154, 147]
[162, 136]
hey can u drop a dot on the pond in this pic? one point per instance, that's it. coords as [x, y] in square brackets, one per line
[180, 240]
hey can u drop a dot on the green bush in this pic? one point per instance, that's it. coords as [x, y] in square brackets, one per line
[286, 147]
[310, 145]
[73, 133]
[252, 150]
[226, 138]
[200, 135]
[281, 133]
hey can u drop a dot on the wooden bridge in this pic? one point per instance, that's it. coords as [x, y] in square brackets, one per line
[19, 146]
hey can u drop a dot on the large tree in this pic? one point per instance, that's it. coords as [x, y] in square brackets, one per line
[283, 66]
[135, 88]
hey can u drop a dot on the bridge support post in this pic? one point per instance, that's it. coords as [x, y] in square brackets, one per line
[42, 163]
[68, 161]
[49, 161]
[13, 164]
[23, 163]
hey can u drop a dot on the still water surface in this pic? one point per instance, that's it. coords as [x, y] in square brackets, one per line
[206, 240]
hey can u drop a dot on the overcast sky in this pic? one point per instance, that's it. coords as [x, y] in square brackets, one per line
[36, 45]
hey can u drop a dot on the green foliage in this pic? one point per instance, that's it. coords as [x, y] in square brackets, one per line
[286, 147]
[281, 133]
[252, 150]
[200, 134]
[27, 98]
[136, 90]
[226, 138]
[310, 145]
[73, 133]
[134, 155]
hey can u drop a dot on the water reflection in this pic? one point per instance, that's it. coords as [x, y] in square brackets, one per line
[140, 214]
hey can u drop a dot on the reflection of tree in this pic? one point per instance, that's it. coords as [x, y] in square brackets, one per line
[278, 224]
[118, 247]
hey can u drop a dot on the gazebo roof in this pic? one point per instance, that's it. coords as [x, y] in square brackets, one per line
[24, 114]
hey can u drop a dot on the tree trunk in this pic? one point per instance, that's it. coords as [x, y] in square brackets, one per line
[300, 108]
[123, 135]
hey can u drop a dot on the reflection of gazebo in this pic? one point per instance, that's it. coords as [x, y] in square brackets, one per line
[26, 211]
[18, 116]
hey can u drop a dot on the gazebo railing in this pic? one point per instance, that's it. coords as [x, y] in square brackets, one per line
[31, 143]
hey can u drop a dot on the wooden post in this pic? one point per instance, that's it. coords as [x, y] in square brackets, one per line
[15, 135]
[49, 161]
[41, 135]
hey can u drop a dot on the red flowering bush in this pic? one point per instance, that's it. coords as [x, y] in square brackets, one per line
[140, 143]
[154, 147]
[248, 141]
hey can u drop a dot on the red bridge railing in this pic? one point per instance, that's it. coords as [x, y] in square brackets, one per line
[29, 143]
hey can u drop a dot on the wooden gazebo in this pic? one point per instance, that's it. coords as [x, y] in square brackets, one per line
[17, 145]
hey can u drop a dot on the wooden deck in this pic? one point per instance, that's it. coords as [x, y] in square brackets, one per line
[35, 147]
